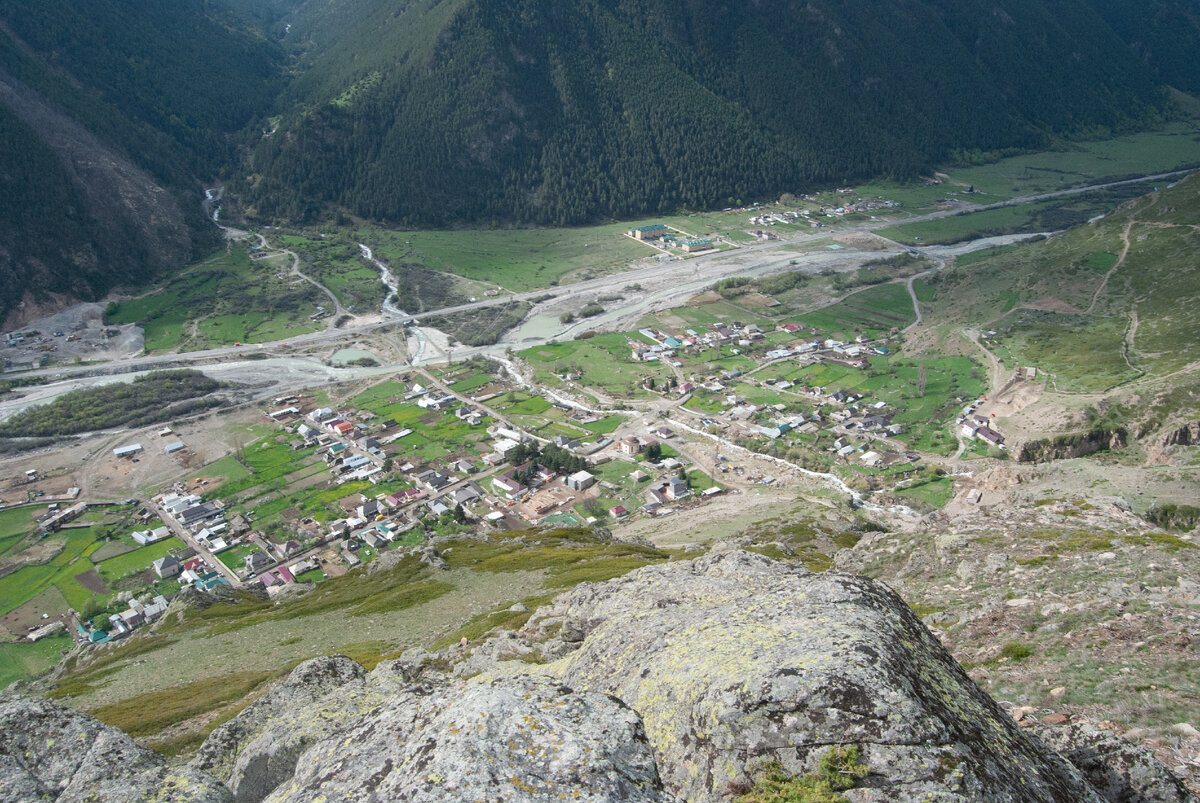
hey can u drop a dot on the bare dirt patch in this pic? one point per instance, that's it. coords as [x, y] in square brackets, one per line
[864, 242]
[92, 582]
[36, 553]
[20, 621]
[715, 519]
[704, 298]
[206, 439]
[758, 300]
[673, 322]
[1051, 304]
[77, 331]
[56, 474]
[1012, 399]
[1048, 413]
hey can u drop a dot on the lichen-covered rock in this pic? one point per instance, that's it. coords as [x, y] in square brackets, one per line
[1120, 771]
[257, 750]
[522, 739]
[48, 752]
[331, 731]
[732, 659]
[672, 683]
[504, 647]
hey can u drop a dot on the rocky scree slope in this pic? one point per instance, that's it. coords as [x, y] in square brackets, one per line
[672, 683]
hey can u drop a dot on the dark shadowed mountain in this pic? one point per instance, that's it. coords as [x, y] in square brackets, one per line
[112, 115]
[437, 112]
[530, 110]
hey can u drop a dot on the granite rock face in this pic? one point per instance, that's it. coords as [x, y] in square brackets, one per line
[520, 739]
[257, 750]
[733, 659]
[1117, 769]
[48, 752]
[331, 732]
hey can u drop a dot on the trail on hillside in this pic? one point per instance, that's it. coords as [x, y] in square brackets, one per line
[1120, 261]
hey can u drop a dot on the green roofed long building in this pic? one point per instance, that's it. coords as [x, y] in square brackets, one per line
[652, 232]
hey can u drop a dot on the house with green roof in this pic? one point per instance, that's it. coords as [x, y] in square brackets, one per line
[651, 232]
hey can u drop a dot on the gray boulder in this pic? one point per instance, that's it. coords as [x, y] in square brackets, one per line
[521, 739]
[331, 731]
[258, 749]
[1120, 771]
[734, 659]
[48, 752]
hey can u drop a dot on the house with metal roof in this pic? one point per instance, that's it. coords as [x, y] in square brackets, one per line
[167, 566]
[651, 232]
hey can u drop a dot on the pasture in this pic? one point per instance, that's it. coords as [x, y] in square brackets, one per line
[225, 299]
[516, 260]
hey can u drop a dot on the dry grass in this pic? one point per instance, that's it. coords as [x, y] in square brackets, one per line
[148, 714]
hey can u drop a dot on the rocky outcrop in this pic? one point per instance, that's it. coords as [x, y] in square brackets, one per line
[48, 752]
[330, 731]
[1158, 451]
[258, 750]
[521, 739]
[734, 659]
[1066, 447]
[672, 683]
[1117, 769]
[1186, 435]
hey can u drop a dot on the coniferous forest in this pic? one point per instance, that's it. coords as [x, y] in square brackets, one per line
[453, 112]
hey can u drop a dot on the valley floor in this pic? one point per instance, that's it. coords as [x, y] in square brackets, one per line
[835, 399]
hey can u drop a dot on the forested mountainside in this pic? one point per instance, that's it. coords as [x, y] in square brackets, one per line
[438, 112]
[112, 115]
[530, 110]
[1164, 34]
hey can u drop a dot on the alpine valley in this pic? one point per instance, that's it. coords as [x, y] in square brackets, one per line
[653, 400]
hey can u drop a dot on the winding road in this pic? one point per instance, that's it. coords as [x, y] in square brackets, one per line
[262, 241]
[912, 292]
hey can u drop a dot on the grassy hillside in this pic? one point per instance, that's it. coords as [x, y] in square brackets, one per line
[168, 677]
[1106, 306]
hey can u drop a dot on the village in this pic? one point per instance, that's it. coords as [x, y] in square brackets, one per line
[772, 403]
[605, 430]
[379, 489]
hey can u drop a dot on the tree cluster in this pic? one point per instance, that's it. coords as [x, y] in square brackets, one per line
[555, 458]
[146, 400]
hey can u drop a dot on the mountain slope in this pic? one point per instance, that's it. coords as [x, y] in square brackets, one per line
[527, 110]
[113, 116]
[1165, 35]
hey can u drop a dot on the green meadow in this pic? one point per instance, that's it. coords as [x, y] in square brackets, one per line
[225, 299]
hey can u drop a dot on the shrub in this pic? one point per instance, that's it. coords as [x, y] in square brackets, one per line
[1016, 652]
[839, 770]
